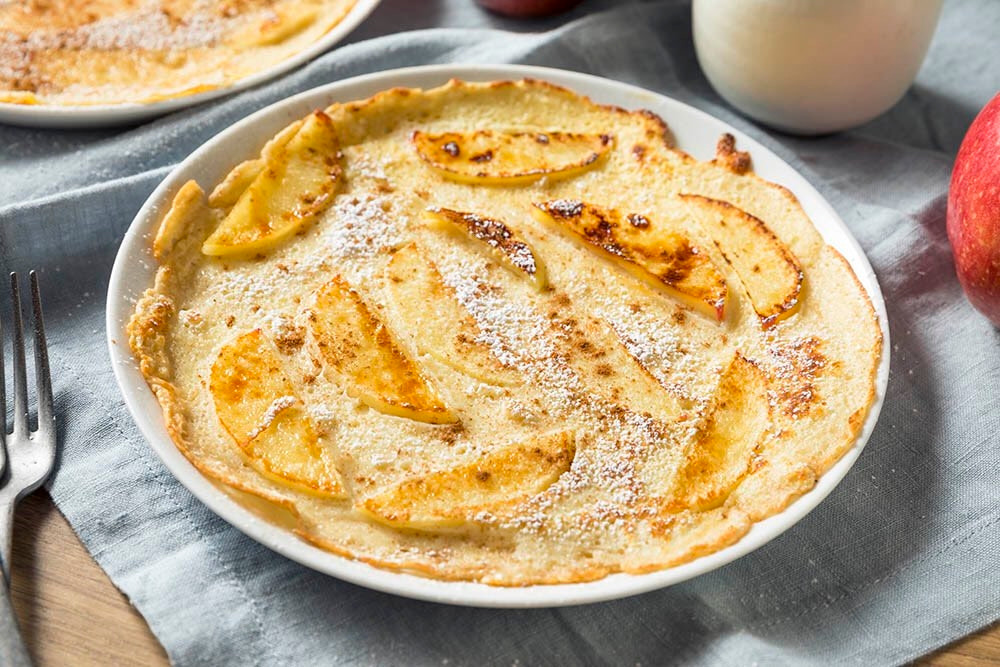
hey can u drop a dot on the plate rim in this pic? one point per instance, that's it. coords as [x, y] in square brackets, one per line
[459, 592]
[109, 115]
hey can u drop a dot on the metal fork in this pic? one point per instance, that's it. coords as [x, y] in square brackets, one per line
[26, 457]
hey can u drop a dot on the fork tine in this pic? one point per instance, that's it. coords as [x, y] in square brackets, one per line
[44, 386]
[20, 379]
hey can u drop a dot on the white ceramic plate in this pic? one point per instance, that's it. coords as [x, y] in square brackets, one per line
[106, 115]
[695, 132]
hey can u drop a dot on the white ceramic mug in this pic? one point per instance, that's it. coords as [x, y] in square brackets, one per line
[812, 66]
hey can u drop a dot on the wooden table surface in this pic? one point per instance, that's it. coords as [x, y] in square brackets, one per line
[71, 613]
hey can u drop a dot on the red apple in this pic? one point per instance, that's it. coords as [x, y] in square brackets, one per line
[974, 211]
[527, 8]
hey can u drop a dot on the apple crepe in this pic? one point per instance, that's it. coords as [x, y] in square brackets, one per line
[533, 350]
[87, 52]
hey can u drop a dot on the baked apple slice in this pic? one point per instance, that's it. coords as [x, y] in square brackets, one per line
[660, 257]
[497, 239]
[733, 431]
[440, 326]
[257, 405]
[297, 183]
[491, 157]
[449, 498]
[356, 346]
[236, 182]
[242, 175]
[769, 271]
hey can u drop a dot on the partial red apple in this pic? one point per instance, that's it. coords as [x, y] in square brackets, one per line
[974, 211]
[528, 8]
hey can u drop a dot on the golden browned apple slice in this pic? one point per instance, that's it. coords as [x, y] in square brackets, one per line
[448, 498]
[660, 257]
[440, 326]
[769, 271]
[239, 178]
[297, 183]
[257, 405]
[242, 175]
[497, 238]
[491, 157]
[358, 348]
[723, 452]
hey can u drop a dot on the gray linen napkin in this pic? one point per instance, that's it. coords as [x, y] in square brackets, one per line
[903, 557]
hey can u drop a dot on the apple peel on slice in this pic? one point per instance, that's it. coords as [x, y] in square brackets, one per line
[497, 239]
[447, 499]
[771, 274]
[297, 182]
[441, 327]
[357, 347]
[257, 405]
[652, 253]
[491, 157]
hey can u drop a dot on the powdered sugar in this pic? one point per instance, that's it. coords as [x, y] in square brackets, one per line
[517, 335]
[245, 286]
[361, 226]
[365, 165]
[322, 416]
[150, 28]
[277, 406]
[608, 460]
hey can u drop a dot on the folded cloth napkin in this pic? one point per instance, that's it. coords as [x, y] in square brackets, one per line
[903, 557]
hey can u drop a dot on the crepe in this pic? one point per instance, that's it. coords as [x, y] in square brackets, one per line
[87, 52]
[496, 332]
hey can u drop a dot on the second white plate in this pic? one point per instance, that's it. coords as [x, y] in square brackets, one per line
[695, 132]
[106, 115]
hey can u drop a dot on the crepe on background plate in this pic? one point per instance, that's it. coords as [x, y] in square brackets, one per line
[100, 52]
[499, 333]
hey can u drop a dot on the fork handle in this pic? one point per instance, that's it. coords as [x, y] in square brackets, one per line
[6, 528]
[12, 649]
